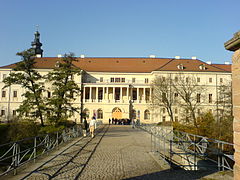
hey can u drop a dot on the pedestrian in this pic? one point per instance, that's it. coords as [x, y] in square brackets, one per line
[92, 126]
[133, 123]
[109, 121]
[84, 126]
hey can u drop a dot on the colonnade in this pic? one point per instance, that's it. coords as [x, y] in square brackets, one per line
[116, 94]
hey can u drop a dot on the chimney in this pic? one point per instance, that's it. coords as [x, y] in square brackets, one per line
[227, 62]
[194, 57]
[209, 62]
[152, 56]
[82, 56]
[177, 57]
[38, 55]
[59, 55]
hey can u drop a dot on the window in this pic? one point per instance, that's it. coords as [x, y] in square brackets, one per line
[133, 80]
[175, 95]
[176, 118]
[163, 110]
[198, 98]
[2, 112]
[4, 76]
[3, 94]
[180, 66]
[221, 80]
[210, 98]
[14, 94]
[48, 94]
[123, 80]
[117, 79]
[99, 114]
[163, 78]
[187, 79]
[210, 80]
[101, 79]
[112, 80]
[176, 111]
[146, 80]
[14, 113]
[164, 118]
[146, 114]
[199, 111]
[176, 79]
[198, 79]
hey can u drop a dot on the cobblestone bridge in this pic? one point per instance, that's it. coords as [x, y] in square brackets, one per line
[116, 152]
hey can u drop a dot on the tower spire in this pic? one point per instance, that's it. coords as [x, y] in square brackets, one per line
[36, 44]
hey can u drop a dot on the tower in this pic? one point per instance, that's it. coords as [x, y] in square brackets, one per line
[36, 45]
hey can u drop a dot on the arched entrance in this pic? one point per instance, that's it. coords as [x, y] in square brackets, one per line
[117, 113]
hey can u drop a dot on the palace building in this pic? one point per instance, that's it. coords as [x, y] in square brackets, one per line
[120, 87]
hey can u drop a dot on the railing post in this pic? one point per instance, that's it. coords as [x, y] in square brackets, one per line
[35, 149]
[219, 159]
[222, 157]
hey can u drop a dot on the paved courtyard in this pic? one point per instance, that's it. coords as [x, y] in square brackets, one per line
[116, 152]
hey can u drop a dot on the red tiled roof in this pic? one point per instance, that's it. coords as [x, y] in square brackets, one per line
[138, 65]
[189, 65]
[226, 67]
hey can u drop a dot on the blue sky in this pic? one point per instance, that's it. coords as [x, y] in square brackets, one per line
[120, 28]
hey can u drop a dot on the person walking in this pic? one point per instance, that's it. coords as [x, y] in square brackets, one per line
[84, 126]
[92, 126]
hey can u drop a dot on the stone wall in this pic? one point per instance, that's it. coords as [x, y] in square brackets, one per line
[234, 45]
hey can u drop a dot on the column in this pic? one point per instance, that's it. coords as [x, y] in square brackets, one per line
[144, 94]
[84, 94]
[107, 94]
[120, 94]
[234, 45]
[103, 98]
[150, 94]
[96, 94]
[90, 94]
[138, 95]
[127, 93]
[113, 93]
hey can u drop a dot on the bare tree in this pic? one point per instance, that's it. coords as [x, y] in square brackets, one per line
[191, 95]
[162, 94]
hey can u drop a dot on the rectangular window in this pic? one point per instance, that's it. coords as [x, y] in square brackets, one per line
[221, 80]
[176, 111]
[48, 94]
[117, 79]
[210, 80]
[175, 95]
[198, 79]
[14, 112]
[210, 98]
[123, 79]
[163, 78]
[164, 118]
[163, 110]
[112, 80]
[14, 94]
[198, 98]
[199, 111]
[133, 80]
[4, 76]
[176, 118]
[187, 79]
[101, 79]
[2, 112]
[176, 79]
[146, 80]
[3, 94]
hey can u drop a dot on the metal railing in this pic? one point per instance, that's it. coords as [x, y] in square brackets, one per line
[190, 151]
[15, 154]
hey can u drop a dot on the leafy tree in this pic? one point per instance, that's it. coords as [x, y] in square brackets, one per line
[28, 78]
[162, 94]
[64, 89]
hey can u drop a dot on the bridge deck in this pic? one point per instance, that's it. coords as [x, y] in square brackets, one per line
[116, 152]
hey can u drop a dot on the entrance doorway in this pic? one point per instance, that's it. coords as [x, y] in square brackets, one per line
[117, 113]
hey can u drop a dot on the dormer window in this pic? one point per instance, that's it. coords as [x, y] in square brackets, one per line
[180, 66]
[57, 64]
[202, 67]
